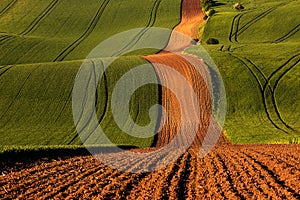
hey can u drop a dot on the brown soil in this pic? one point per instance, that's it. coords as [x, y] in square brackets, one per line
[228, 172]
[189, 67]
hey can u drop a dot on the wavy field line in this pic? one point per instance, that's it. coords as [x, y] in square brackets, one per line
[96, 100]
[18, 93]
[33, 25]
[261, 91]
[257, 18]
[5, 38]
[288, 35]
[2, 12]
[235, 27]
[87, 32]
[280, 68]
[4, 71]
[273, 99]
[278, 77]
[265, 96]
[285, 72]
[150, 23]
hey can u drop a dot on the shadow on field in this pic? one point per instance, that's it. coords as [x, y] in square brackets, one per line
[17, 156]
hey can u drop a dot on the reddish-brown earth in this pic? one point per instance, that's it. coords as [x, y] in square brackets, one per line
[180, 103]
[228, 172]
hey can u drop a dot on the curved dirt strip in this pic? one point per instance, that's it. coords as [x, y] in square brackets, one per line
[194, 71]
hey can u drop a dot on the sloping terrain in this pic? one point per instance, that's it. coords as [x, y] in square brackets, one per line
[258, 58]
[227, 172]
[183, 114]
[42, 46]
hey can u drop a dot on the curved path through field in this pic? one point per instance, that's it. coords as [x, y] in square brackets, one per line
[182, 113]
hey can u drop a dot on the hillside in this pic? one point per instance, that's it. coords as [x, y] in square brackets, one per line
[44, 43]
[258, 58]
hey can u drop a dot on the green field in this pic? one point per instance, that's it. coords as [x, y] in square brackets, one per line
[258, 58]
[43, 44]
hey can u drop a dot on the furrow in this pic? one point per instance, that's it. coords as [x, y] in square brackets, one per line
[39, 177]
[282, 156]
[260, 179]
[254, 183]
[198, 180]
[233, 191]
[280, 169]
[215, 184]
[277, 185]
[66, 181]
[240, 177]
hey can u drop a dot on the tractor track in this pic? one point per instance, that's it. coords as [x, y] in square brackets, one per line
[258, 17]
[18, 93]
[150, 24]
[87, 32]
[288, 35]
[33, 25]
[263, 88]
[235, 27]
[2, 12]
[5, 70]
[96, 101]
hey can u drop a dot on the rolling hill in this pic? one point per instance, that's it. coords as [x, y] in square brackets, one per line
[258, 58]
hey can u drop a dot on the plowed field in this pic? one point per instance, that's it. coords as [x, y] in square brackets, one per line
[228, 172]
[180, 103]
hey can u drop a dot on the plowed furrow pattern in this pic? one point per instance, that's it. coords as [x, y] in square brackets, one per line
[228, 172]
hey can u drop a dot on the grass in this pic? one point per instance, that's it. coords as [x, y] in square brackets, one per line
[258, 58]
[42, 48]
